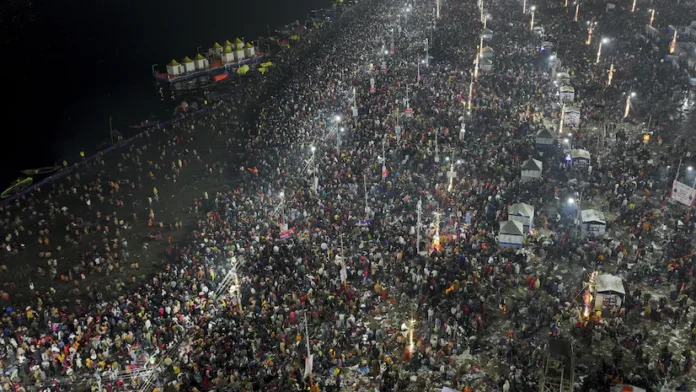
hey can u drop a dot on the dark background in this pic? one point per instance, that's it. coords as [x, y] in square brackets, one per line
[71, 64]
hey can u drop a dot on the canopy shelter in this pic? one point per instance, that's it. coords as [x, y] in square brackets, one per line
[563, 78]
[522, 213]
[609, 292]
[487, 34]
[571, 115]
[511, 234]
[580, 157]
[544, 138]
[531, 169]
[547, 46]
[486, 65]
[592, 222]
[567, 94]
[487, 53]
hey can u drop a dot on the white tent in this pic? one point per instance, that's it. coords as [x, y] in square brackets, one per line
[486, 65]
[523, 213]
[544, 138]
[580, 157]
[487, 53]
[563, 78]
[567, 94]
[571, 115]
[609, 291]
[531, 169]
[487, 34]
[511, 234]
[592, 222]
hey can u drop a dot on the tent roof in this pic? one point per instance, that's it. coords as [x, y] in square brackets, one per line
[532, 164]
[186, 59]
[217, 46]
[487, 49]
[173, 63]
[545, 134]
[228, 43]
[523, 209]
[609, 283]
[248, 46]
[592, 216]
[199, 57]
[487, 31]
[571, 108]
[238, 41]
[563, 75]
[511, 227]
[227, 50]
[579, 154]
[567, 89]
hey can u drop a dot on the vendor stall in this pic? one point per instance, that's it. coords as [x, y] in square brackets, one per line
[511, 234]
[522, 213]
[608, 292]
[567, 94]
[571, 115]
[592, 222]
[531, 169]
[580, 157]
[487, 53]
[544, 138]
[562, 78]
[487, 34]
[486, 65]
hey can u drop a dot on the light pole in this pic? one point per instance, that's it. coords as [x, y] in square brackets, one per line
[524, 6]
[419, 210]
[419, 64]
[611, 74]
[599, 50]
[451, 174]
[531, 24]
[315, 180]
[633, 8]
[437, 150]
[471, 93]
[437, 6]
[337, 121]
[367, 208]
[577, 11]
[652, 16]
[628, 103]
[673, 44]
[436, 236]
[590, 30]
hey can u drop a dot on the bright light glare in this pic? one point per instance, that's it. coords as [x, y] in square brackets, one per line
[633, 95]
[571, 200]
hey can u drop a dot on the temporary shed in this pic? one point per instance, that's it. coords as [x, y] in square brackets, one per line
[511, 234]
[531, 169]
[592, 222]
[487, 53]
[200, 62]
[522, 213]
[563, 78]
[188, 64]
[238, 43]
[174, 68]
[609, 292]
[487, 34]
[227, 55]
[217, 48]
[238, 50]
[486, 65]
[571, 116]
[249, 51]
[544, 138]
[580, 157]
[567, 94]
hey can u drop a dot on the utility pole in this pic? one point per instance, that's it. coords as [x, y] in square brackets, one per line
[419, 209]
[437, 150]
[367, 208]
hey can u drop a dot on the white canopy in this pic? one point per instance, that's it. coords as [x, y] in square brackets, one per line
[609, 283]
[511, 228]
[563, 75]
[522, 209]
[571, 109]
[567, 89]
[533, 164]
[592, 216]
[579, 154]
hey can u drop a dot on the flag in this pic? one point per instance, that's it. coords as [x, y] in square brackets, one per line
[309, 362]
[284, 235]
[385, 172]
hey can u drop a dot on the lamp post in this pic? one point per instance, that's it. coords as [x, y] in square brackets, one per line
[590, 30]
[577, 11]
[451, 174]
[633, 8]
[419, 210]
[560, 127]
[611, 74]
[437, 150]
[436, 236]
[437, 6]
[524, 6]
[315, 179]
[531, 24]
[652, 16]
[599, 50]
[673, 44]
[628, 103]
[471, 93]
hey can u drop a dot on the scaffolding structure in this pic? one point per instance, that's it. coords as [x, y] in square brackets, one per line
[558, 367]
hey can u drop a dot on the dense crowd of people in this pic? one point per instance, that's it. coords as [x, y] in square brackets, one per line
[314, 214]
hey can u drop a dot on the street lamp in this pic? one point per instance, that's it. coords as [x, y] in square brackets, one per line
[571, 201]
[524, 6]
[590, 30]
[599, 50]
[633, 8]
[652, 16]
[531, 24]
[577, 11]
[611, 74]
[628, 103]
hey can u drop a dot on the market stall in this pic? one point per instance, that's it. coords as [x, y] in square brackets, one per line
[544, 138]
[566, 94]
[531, 169]
[571, 116]
[608, 292]
[580, 157]
[511, 234]
[592, 222]
[522, 213]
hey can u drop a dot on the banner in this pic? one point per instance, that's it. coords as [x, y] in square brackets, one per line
[344, 274]
[308, 363]
[683, 193]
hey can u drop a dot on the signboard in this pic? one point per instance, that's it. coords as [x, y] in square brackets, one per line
[355, 111]
[683, 193]
[451, 174]
[308, 364]
[385, 173]
[284, 235]
[408, 112]
[397, 130]
[364, 222]
[372, 85]
[344, 274]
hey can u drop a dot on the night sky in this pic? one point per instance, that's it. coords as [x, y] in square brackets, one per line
[73, 63]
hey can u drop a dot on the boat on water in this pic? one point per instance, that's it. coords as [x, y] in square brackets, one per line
[41, 170]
